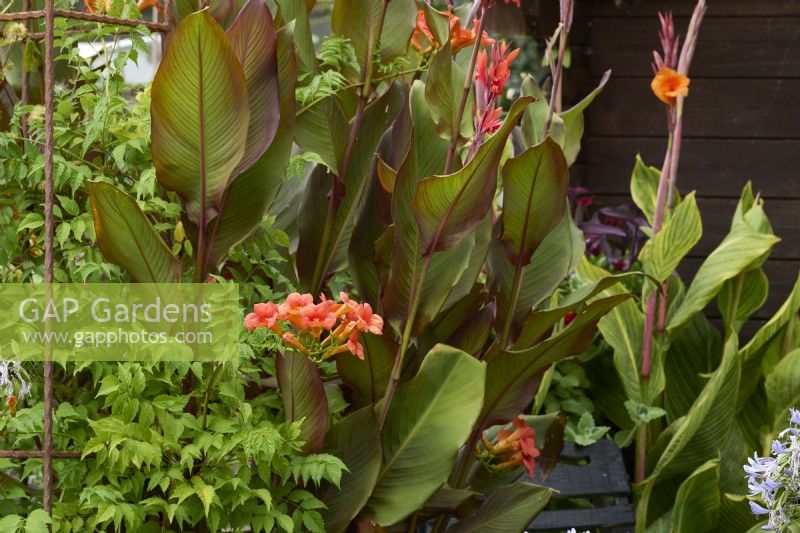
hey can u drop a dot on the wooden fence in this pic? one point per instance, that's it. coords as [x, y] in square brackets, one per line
[742, 117]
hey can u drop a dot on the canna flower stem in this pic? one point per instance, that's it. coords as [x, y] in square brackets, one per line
[665, 198]
[468, 81]
[555, 91]
[323, 260]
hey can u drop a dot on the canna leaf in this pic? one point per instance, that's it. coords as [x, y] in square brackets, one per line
[512, 377]
[199, 114]
[448, 208]
[297, 11]
[534, 188]
[303, 397]
[325, 235]
[552, 261]
[253, 39]
[740, 249]
[507, 508]
[428, 421]
[356, 440]
[126, 238]
[692, 439]
[697, 503]
[644, 188]
[573, 121]
[360, 21]
[368, 377]
[449, 273]
[443, 92]
[666, 249]
[255, 189]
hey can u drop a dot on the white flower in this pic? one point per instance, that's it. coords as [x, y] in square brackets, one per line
[11, 374]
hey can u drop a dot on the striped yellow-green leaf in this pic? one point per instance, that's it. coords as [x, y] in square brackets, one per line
[697, 503]
[693, 439]
[127, 239]
[644, 187]
[667, 248]
[200, 115]
[738, 251]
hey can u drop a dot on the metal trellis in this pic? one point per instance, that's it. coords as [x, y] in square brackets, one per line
[49, 14]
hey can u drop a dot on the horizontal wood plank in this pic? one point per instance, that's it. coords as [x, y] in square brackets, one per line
[717, 213]
[713, 167]
[735, 108]
[742, 8]
[764, 47]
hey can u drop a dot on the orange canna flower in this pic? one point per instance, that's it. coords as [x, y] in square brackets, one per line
[423, 40]
[423, 31]
[514, 448]
[463, 37]
[91, 6]
[141, 5]
[494, 74]
[668, 84]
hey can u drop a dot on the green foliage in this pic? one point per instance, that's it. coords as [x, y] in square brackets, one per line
[190, 183]
[100, 134]
[703, 404]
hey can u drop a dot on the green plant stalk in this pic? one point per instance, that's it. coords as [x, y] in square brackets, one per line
[658, 217]
[737, 294]
[212, 382]
[641, 452]
[412, 313]
[323, 260]
[468, 81]
[650, 309]
[397, 368]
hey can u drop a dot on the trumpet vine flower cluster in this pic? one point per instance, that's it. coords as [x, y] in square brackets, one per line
[13, 385]
[318, 330]
[511, 449]
[774, 480]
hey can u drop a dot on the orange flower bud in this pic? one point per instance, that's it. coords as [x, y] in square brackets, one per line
[11, 403]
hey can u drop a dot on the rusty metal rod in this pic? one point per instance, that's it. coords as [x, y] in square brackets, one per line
[89, 17]
[49, 232]
[35, 454]
[25, 82]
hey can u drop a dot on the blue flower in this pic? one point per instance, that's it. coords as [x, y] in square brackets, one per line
[778, 447]
[757, 509]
